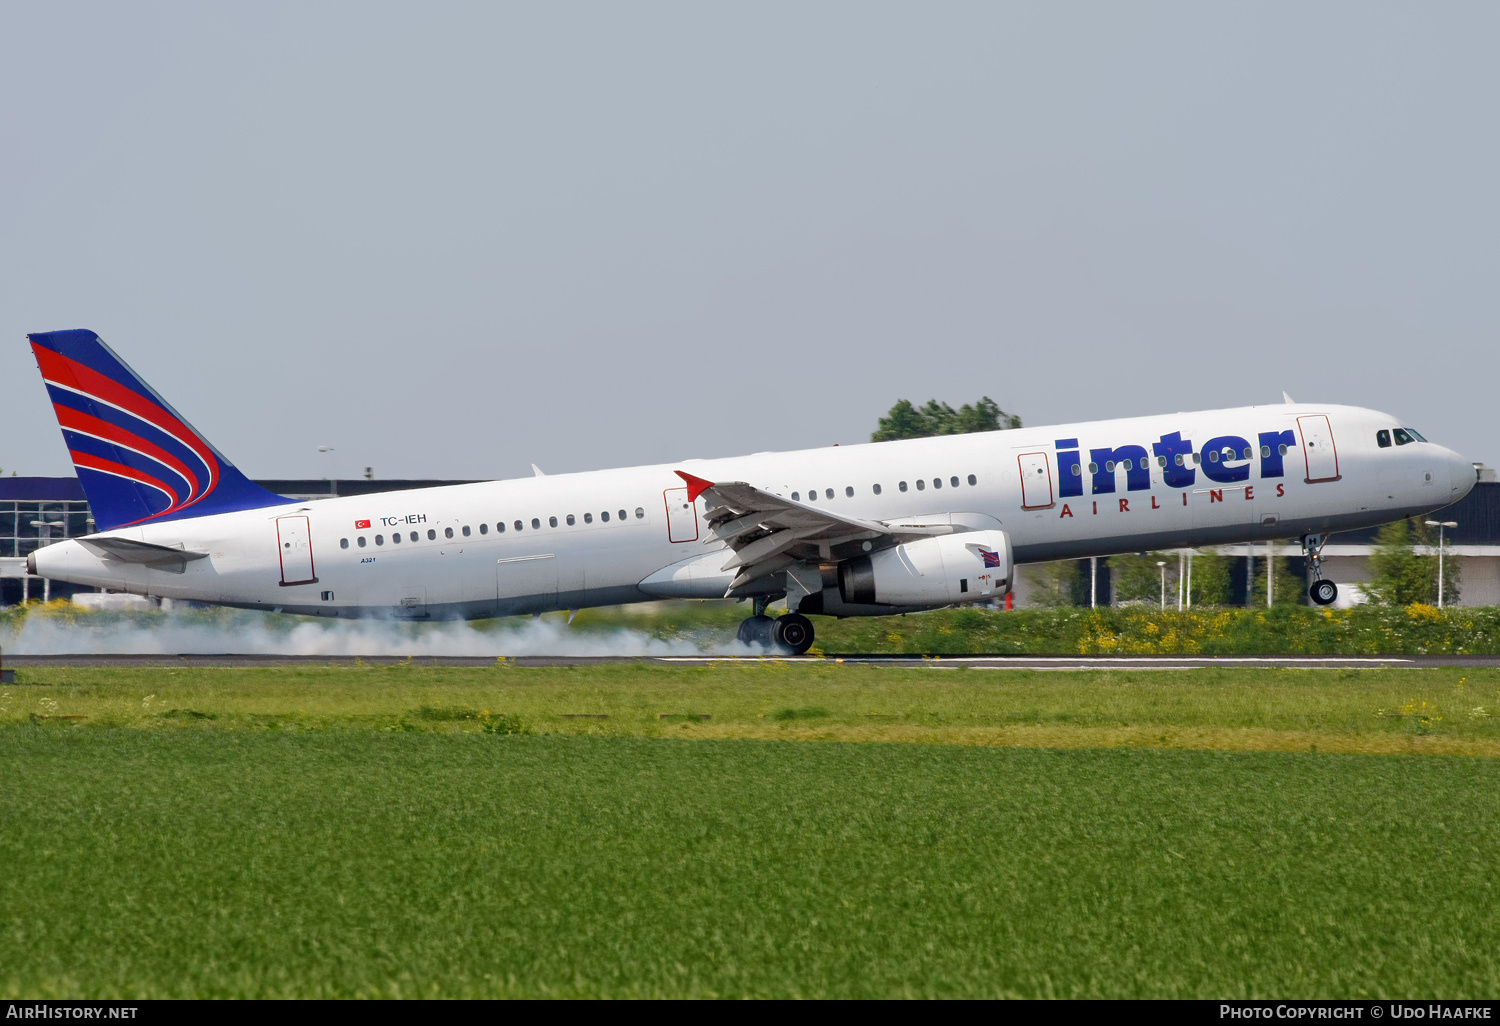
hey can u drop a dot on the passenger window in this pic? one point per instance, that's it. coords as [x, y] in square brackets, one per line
[1265, 452]
[414, 536]
[1249, 452]
[588, 518]
[953, 481]
[640, 514]
[937, 482]
[361, 540]
[604, 516]
[974, 480]
[812, 496]
[483, 529]
[536, 523]
[1093, 468]
[447, 532]
[1077, 470]
[551, 521]
[796, 496]
[1197, 457]
[571, 521]
[1109, 466]
[500, 527]
[1213, 457]
[848, 491]
[466, 530]
[380, 539]
[1282, 448]
[921, 484]
[1178, 459]
[1161, 461]
[343, 543]
[519, 526]
[396, 538]
[902, 486]
[828, 493]
[875, 489]
[1402, 437]
[431, 534]
[1383, 438]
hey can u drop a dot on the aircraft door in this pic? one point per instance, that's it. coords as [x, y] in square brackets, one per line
[295, 541]
[682, 516]
[1317, 445]
[1036, 480]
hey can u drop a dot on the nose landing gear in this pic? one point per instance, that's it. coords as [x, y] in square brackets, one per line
[1322, 592]
[791, 634]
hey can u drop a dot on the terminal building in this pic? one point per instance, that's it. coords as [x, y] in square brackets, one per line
[37, 511]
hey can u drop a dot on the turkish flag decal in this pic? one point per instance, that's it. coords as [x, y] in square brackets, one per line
[361, 525]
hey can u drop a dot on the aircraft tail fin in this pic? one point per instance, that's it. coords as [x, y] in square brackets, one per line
[136, 457]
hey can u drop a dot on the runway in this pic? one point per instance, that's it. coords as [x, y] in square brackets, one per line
[973, 662]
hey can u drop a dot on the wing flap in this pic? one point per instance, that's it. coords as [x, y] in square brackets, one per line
[768, 532]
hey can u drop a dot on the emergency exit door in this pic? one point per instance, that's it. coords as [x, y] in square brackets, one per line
[296, 551]
[682, 516]
[1317, 446]
[1036, 480]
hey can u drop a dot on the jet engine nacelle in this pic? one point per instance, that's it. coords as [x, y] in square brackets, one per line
[968, 567]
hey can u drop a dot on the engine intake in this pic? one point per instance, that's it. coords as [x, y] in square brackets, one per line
[968, 567]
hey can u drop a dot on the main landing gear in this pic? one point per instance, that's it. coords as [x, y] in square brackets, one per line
[1320, 591]
[791, 633]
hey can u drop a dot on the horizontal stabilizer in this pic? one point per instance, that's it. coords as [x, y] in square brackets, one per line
[127, 550]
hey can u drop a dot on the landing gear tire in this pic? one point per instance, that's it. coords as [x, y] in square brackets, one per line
[758, 631]
[794, 633]
[1323, 592]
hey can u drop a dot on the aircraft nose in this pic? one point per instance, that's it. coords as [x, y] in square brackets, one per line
[1464, 475]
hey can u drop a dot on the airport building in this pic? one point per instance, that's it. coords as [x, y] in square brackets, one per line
[37, 511]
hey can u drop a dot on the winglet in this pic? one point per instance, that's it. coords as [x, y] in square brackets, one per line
[696, 485]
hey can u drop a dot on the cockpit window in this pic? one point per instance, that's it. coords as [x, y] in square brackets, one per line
[1403, 437]
[1383, 439]
[1414, 436]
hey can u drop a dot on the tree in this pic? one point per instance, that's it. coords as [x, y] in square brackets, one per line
[1137, 577]
[1053, 584]
[935, 418]
[1404, 566]
[1210, 578]
[1286, 590]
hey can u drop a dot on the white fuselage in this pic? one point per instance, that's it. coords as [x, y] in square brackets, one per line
[593, 538]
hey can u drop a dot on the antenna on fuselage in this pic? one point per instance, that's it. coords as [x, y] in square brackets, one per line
[537, 470]
[1287, 399]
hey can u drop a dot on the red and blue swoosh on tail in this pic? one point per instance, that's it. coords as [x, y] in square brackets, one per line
[136, 458]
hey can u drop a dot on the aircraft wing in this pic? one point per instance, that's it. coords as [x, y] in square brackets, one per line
[767, 532]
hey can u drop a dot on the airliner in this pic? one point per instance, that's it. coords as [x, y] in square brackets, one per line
[856, 530]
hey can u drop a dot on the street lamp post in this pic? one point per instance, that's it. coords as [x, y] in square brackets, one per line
[1440, 524]
[1163, 564]
[332, 470]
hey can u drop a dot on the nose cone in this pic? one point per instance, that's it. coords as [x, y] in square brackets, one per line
[1464, 475]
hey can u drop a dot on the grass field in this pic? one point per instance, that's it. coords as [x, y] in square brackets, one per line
[414, 831]
[687, 627]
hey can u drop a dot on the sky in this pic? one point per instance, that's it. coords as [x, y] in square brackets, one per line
[450, 240]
